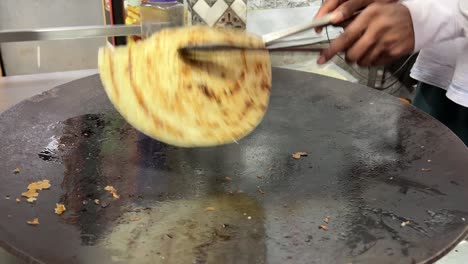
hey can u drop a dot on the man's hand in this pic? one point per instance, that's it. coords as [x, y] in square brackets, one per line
[344, 9]
[380, 34]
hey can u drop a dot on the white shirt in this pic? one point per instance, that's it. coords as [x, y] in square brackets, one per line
[435, 65]
[435, 21]
[441, 31]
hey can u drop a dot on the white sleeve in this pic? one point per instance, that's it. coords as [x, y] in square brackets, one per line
[435, 21]
[463, 15]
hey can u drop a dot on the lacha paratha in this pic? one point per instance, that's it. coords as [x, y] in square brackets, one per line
[186, 103]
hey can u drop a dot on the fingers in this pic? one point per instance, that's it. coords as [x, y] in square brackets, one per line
[388, 56]
[365, 43]
[344, 24]
[327, 7]
[346, 40]
[388, 36]
[341, 9]
[383, 60]
[374, 54]
[338, 45]
[388, 48]
[347, 9]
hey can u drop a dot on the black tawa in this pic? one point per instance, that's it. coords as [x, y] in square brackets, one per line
[382, 182]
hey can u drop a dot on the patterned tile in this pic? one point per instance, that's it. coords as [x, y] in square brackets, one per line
[229, 2]
[240, 8]
[230, 19]
[192, 2]
[210, 2]
[197, 20]
[210, 14]
[229, 13]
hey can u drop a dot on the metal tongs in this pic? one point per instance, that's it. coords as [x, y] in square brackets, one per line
[194, 52]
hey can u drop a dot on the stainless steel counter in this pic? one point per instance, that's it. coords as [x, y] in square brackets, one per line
[17, 88]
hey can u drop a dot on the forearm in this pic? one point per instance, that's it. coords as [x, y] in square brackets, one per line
[435, 21]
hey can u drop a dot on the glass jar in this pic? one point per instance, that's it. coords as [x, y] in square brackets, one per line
[158, 14]
[132, 17]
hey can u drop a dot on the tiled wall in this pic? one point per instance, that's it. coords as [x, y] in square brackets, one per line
[227, 13]
[233, 13]
[268, 4]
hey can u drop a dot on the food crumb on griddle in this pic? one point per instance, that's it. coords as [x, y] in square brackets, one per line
[16, 171]
[32, 193]
[39, 185]
[18, 200]
[326, 220]
[261, 191]
[426, 169]
[299, 155]
[59, 209]
[7, 197]
[323, 227]
[96, 201]
[112, 191]
[210, 209]
[260, 177]
[228, 178]
[35, 221]
[403, 224]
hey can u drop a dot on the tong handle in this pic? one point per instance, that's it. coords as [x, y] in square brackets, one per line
[205, 53]
[271, 37]
[59, 33]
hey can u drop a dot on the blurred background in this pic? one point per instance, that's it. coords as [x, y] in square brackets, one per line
[257, 16]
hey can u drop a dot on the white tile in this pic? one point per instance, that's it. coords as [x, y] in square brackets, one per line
[240, 8]
[189, 19]
[210, 14]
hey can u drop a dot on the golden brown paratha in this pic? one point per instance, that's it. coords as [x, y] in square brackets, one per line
[186, 103]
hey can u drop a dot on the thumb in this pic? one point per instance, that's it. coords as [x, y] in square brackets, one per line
[347, 9]
[337, 17]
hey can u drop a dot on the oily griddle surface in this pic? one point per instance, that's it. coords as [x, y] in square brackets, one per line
[367, 151]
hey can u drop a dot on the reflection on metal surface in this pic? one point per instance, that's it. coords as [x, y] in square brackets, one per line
[182, 231]
[60, 33]
[92, 155]
[172, 225]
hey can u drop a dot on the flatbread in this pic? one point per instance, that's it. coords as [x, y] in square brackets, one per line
[186, 103]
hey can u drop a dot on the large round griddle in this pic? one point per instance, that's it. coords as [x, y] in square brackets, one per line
[391, 179]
